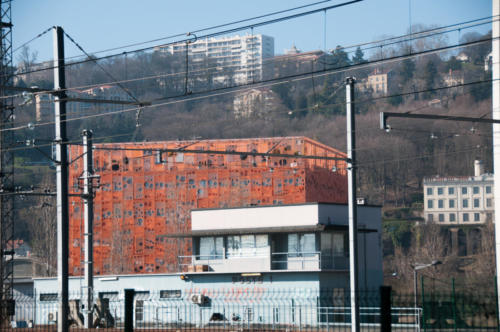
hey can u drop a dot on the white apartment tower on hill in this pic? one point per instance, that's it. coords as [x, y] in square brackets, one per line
[460, 200]
[244, 54]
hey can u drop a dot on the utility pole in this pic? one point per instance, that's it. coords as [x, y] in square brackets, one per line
[351, 201]
[495, 99]
[61, 178]
[88, 214]
[6, 168]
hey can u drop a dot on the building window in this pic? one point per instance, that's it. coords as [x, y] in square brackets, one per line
[246, 245]
[451, 203]
[465, 203]
[452, 217]
[211, 247]
[440, 203]
[170, 294]
[301, 244]
[477, 217]
[488, 189]
[430, 217]
[451, 191]
[48, 297]
[430, 204]
[488, 202]
[429, 191]
[476, 202]
[440, 190]
[465, 217]
[464, 190]
[475, 190]
[441, 217]
[489, 217]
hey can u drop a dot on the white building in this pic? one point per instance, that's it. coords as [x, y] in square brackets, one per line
[377, 82]
[459, 200]
[254, 101]
[244, 54]
[265, 267]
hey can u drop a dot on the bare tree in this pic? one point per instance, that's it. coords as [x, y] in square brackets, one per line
[44, 232]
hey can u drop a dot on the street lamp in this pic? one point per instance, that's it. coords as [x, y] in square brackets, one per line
[416, 267]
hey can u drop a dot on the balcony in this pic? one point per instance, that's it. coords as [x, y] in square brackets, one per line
[262, 262]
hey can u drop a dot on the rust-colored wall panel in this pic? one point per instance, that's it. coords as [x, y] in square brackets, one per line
[143, 198]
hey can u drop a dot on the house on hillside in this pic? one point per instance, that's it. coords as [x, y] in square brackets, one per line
[460, 200]
[462, 206]
[377, 82]
[258, 101]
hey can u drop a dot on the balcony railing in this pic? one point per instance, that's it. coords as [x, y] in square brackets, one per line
[314, 260]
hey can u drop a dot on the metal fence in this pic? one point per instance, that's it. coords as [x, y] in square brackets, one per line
[258, 309]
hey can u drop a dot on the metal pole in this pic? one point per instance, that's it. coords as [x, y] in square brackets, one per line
[351, 200]
[423, 303]
[385, 309]
[129, 310]
[495, 98]
[88, 214]
[454, 304]
[417, 320]
[61, 179]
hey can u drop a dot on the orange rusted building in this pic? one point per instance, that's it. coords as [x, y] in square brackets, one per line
[142, 198]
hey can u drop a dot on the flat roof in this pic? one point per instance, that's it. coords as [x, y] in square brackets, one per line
[267, 230]
[294, 204]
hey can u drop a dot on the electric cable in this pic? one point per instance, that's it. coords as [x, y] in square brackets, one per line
[102, 68]
[32, 39]
[207, 28]
[215, 34]
[197, 71]
[191, 98]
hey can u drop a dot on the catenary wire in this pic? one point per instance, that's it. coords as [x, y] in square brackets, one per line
[233, 30]
[207, 28]
[102, 68]
[32, 39]
[298, 55]
[217, 93]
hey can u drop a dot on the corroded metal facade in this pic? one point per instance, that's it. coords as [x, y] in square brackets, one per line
[142, 198]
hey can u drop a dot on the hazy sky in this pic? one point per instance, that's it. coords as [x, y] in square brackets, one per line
[101, 24]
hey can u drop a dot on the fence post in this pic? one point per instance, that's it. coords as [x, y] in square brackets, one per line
[129, 310]
[423, 303]
[454, 304]
[496, 307]
[385, 309]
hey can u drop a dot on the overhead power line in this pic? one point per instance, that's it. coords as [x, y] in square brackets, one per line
[214, 34]
[33, 39]
[206, 28]
[102, 68]
[284, 78]
[411, 37]
[296, 77]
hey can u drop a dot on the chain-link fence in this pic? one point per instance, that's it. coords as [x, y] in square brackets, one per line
[258, 309]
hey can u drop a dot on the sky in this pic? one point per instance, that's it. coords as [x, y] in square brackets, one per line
[103, 24]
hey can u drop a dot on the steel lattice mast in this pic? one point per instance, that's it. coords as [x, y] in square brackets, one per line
[6, 165]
